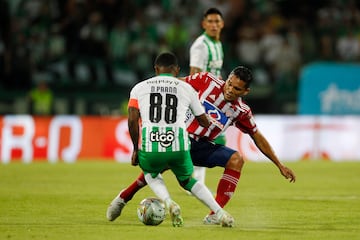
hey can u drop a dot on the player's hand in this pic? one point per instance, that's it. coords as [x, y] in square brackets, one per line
[215, 122]
[288, 173]
[134, 158]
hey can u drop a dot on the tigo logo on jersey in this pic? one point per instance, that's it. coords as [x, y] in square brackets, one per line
[165, 139]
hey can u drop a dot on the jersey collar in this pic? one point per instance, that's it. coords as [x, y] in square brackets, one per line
[210, 38]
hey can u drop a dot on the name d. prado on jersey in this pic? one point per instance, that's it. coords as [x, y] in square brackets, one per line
[163, 121]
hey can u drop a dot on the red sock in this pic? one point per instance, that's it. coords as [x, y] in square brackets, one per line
[128, 193]
[227, 186]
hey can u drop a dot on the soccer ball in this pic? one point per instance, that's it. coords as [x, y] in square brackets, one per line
[151, 211]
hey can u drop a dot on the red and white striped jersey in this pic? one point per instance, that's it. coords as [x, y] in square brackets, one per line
[223, 113]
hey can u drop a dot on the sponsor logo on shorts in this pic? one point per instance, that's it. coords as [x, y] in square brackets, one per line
[165, 139]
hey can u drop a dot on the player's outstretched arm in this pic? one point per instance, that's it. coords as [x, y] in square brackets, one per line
[264, 146]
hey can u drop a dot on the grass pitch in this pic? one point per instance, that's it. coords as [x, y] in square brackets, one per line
[68, 201]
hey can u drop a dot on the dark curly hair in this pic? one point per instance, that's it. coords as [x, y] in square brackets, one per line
[212, 11]
[166, 59]
[244, 74]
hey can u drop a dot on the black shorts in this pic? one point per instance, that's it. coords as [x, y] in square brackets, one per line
[208, 154]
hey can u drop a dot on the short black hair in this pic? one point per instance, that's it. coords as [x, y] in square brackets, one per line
[244, 74]
[212, 11]
[166, 59]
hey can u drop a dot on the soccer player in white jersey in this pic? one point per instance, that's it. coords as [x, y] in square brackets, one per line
[206, 52]
[207, 55]
[161, 103]
[222, 101]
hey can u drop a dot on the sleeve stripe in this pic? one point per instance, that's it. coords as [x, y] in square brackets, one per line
[133, 103]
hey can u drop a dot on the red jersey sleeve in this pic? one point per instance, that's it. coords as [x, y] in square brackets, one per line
[246, 123]
[197, 80]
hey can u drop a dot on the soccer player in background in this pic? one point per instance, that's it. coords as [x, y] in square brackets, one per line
[160, 104]
[223, 99]
[207, 55]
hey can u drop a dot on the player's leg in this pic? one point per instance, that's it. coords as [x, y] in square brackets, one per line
[158, 186]
[227, 184]
[199, 174]
[118, 203]
[202, 193]
[229, 179]
[128, 193]
[207, 154]
[125, 195]
[183, 171]
[152, 164]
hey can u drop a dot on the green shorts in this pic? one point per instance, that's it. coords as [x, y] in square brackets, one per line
[155, 162]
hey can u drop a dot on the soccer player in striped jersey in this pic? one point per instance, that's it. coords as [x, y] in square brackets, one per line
[207, 55]
[206, 52]
[222, 101]
[161, 103]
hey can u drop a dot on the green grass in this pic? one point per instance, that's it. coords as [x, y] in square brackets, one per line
[69, 201]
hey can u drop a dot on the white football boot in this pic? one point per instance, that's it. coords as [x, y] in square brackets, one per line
[225, 219]
[211, 219]
[115, 208]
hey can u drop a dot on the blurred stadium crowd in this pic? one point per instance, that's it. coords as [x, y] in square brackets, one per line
[94, 46]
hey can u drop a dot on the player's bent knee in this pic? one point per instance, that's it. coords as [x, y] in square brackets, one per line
[183, 183]
[235, 162]
[187, 183]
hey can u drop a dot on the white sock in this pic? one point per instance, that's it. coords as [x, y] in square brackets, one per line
[201, 192]
[158, 186]
[199, 174]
